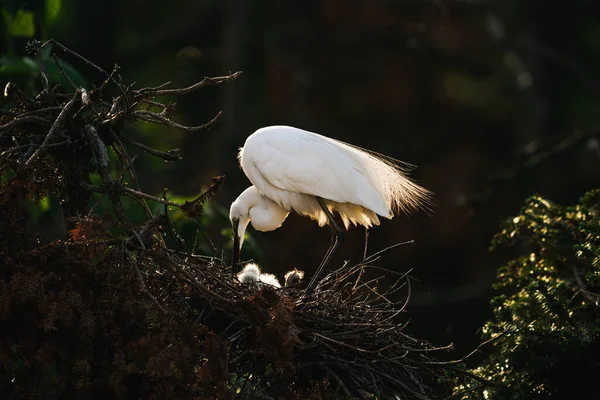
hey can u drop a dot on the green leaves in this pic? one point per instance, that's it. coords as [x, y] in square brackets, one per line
[19, 24]
[31, 20]
[546, 321]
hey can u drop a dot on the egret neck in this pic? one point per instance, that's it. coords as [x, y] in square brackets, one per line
[252, 207]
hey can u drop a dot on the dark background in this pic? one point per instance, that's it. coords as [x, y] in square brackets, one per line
[494, 101]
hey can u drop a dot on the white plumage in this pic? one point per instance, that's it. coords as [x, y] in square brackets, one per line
[269, 279]
[293, 169]
[293, 277]
[252, 274]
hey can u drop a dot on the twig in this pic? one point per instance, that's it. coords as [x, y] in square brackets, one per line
[462, 359]
[109, 78]
[22, 120]
[82, 58]
[366, 243]
[401, 309]
[171, 155]
[339, 381]
[59, 123]
[149, 116]
[144, 287]
[97, 68]
[582, 286]
[153, 103]
[141, 195]
[25, 146]
[375, 255]
[342, 343]
[120, 150]
[62, 72]
[145, 92]
[101, 157]
[38, 55]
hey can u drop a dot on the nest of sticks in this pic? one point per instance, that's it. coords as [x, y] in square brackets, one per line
[117, 312]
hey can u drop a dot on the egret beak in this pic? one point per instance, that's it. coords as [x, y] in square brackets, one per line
[235, 258]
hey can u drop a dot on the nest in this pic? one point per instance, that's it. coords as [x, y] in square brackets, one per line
[112, 310]
[345, 341]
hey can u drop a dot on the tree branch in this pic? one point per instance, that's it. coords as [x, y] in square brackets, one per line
[58, 125]
[149, 92]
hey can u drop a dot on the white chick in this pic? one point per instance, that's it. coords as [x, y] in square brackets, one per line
[269, 279]
[293, 277]
[251, 274]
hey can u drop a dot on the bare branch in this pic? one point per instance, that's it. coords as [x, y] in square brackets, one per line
[35, 46]
[171, 155]
[21, 120]
[149, 92]
[62, 72]
[97, 68]
[159, 119]
[58, 125]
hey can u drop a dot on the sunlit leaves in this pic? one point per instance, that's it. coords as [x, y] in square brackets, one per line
[546, 320]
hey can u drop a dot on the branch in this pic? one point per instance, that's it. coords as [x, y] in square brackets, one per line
[374, 256]
[62, 72]
[453, 362]
[35, 46]
[149, 92]
[152, 117]
[171, 155]
[82, 58]
[103, 72]
[118, 187]
[134, 262]
[109, 78]
[22, 120]
[59, 123]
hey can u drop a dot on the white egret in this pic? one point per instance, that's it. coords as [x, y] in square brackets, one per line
[293, 169]
[252, 274]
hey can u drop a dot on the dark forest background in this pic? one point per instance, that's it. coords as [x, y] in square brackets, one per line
[494, 101]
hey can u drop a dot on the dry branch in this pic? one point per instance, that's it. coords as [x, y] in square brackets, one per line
[159, 91]
[58, 125]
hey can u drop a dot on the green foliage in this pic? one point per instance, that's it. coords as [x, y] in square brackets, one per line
[24, 71]
[20, 24]
[545, 334]
[19, 17]
[31, 20]
[53, 8]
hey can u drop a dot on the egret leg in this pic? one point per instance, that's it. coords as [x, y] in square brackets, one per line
[336, 240]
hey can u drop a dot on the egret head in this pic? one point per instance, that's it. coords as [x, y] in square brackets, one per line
[239, 215]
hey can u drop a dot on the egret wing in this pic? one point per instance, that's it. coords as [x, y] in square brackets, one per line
[303, 162]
